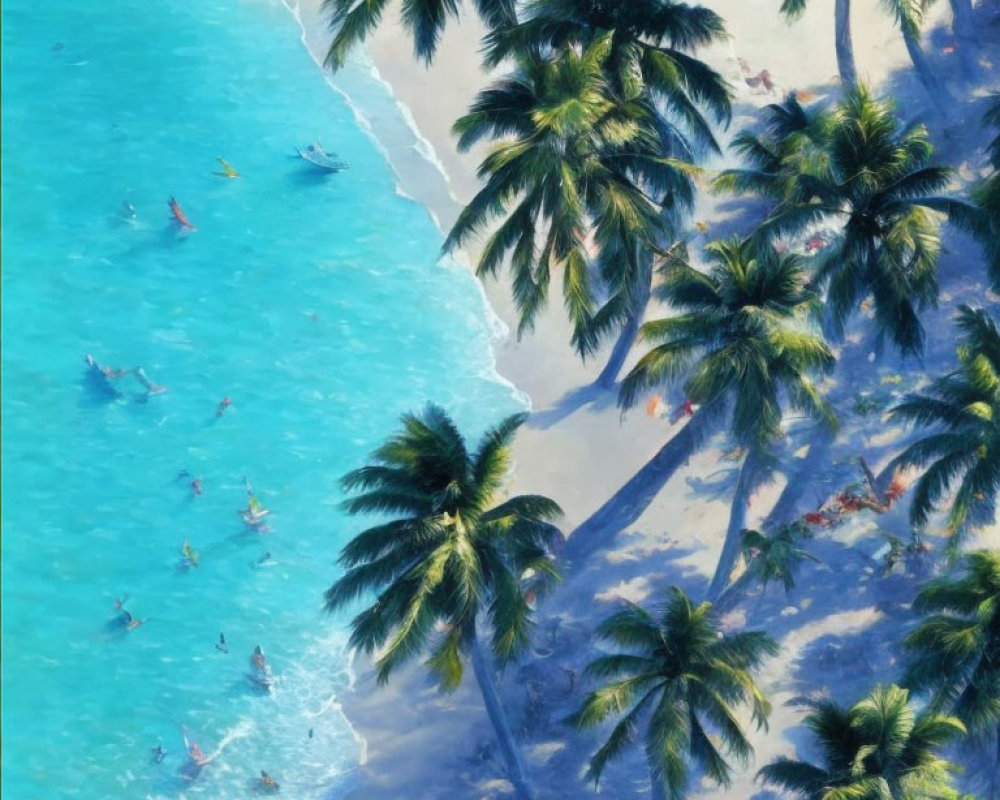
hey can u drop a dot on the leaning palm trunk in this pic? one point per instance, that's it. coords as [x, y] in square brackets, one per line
[845, 46]
[628, 333]
[733, 593]
[494, 708]
[627, 504]
[751, 476]
[928, 77]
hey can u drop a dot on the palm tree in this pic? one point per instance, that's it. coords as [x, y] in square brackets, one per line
[955, 651]
[651, 51]
[740, 341]
[964, 409]
[790, 142]
[576, 161]
[352, 21]
[875, 183]
[773, 557]
[681, 679]
[907, 14]
[651, 64]
[452, 561]
[879, 749]
[986, 219]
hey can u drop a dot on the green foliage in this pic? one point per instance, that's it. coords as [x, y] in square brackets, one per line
[963, 411]
[575, 161]
[879, 749]
[353, 21]
[740, 333]
[676, 685]
[453, 554]
[776, 557]
[857, 169]
[650, 52]
[955, 651]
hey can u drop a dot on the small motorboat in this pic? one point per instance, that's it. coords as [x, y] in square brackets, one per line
[317, 156]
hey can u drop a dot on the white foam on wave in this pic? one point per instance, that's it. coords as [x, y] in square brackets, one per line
[499, 331]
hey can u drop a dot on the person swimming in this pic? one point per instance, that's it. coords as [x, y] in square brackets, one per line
[189, 556]
[221, 645]
[253, 515]
[227, 170]
[179, 216]
[143, 378]
[128, 211]
[108, 373]
[196, 486]
[159, 753]
[196, 759]
[260, 673]
[223, 405]
[267, 784]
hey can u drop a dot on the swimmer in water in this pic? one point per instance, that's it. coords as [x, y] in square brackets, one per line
[267, 783]
[128, 621]
[227, 170]
[221, 645]
[158, 753]
[189, 556]
[179, 216]
[196, 486]
[257, 660]
[151, 388]
[254, 514]
[223, 405]
[128, 211]
[264, 558]
[103, 371]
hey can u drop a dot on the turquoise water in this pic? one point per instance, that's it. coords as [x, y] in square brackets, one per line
[314, 302]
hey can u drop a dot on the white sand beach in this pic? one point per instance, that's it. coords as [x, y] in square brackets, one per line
[837, 628]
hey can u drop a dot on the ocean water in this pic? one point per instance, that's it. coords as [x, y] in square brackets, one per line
[315, 302]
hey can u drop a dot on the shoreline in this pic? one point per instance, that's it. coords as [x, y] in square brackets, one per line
[580, 454]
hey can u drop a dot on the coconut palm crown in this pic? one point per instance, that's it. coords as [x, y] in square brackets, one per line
[741, 333]
[574, 162]
[955, 651]
[860, 173]
[676, 684]
[651, 53]
[879, 749]
[353, 21]
[962, 409]
[452, 554]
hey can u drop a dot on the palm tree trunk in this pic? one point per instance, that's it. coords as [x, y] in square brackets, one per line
[845, 45]
[750, 475]
[929, 79]
[494, 708]
[643, 289]
[733, 593]
[627, 504]
[620, 351]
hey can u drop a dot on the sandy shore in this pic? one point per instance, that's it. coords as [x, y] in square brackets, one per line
[839, 633]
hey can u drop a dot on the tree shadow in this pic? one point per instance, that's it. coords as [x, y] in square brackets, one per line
[572, 401]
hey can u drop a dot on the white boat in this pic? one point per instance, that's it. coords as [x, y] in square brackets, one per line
[316, 155]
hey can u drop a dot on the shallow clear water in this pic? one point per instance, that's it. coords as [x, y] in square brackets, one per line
[314, 302]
